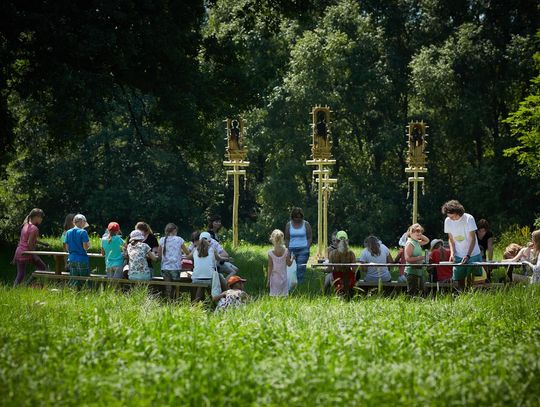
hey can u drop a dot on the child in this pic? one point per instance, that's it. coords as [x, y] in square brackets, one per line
[138, 253]
[112, 246]
[77, 244]
[68, 224]
[535, 267]
[400, 257]
[439, 253]
[28, 240]
[204, 257]
[376, 252]
[170, 250]
[464, 248]
[414, 255]
[278, 260]
[234, 297]
[343, 276]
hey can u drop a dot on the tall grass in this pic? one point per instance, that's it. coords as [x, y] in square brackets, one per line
[105, 348]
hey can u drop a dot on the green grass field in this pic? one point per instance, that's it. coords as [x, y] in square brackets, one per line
[103, 347]
[106, 348]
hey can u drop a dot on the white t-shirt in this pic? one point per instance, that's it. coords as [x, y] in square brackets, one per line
[460, 229]
[374, 273]
[204, 267]
[171, 254]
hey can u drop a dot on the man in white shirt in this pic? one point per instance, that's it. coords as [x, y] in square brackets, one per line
[464, 249]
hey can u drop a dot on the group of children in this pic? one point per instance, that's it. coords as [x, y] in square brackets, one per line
[467, 243]
[133, 258]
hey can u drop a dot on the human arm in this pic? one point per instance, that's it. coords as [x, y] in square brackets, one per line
[185, 249]
[309, 234]
[423, 240]
[451, 246]
[489, 251]
[270, 269]
[472, 242]
[287, 235]
[289, 258]
[151, 255]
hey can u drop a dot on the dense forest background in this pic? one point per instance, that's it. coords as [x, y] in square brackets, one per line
[115, 109]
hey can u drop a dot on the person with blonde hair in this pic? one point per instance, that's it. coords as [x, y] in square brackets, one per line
[343, 276]
[279, 258]
[535, 267]
[414, 255]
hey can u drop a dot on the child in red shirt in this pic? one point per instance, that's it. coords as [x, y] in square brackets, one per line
[440, 253]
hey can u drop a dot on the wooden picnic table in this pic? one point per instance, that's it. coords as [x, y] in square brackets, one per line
[59, 258]
[488, 264]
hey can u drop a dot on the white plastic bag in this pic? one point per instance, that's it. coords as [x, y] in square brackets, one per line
[292, 278]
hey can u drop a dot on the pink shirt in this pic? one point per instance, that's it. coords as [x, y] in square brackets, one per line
[28, 232]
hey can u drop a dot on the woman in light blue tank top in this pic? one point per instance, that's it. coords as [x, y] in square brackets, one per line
[298, 238]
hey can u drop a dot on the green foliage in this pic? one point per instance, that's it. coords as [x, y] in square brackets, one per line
[112, 348]
[515, 234]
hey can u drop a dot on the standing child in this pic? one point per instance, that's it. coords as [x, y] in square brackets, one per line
[278, 260]
[112, 246]
[138, 252]
[170, 250]
[414, 255]
[28, 240]
[78, 243]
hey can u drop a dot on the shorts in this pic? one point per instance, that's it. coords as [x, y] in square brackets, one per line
[461, 272]
[169, 275]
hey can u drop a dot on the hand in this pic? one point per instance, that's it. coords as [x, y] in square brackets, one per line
[452, 259]
[465, 259]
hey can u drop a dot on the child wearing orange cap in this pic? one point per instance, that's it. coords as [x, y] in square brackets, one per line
[112, 246]
[234, 297]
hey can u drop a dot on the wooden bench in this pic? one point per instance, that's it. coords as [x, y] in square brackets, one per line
[182, 285]
[397, 286]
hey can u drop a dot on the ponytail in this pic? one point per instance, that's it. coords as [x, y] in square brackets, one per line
[33, 213]
[169, 228]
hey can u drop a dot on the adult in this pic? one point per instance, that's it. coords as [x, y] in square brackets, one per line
[138, 253]
[461, 229]
[485, 239]
[343, 276]
[151, 240]
[333, 246]
[298, 239]
[214, 226]
[376, 252]
[77, 244]
[29, 239]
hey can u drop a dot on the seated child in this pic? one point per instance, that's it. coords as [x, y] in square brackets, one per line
[439, 253]
[234, 297]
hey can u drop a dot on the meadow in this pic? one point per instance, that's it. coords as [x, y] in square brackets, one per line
[102, 347]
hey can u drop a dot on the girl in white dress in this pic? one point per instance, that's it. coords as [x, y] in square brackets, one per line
[278, 260]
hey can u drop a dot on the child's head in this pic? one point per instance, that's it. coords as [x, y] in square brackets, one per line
[195, 236]
[171, 229]
[68, 221]
[453, 209]
[333, 238]
[511, 251]
[79, 220]
[35, 216]
[415, 230]
[113, 228]
[214, 222]
[236, 283]
[144, 227]
[436, 244]
[136, 236]
[343, 241]
[372, 244]
[203, 244]
[277, 238]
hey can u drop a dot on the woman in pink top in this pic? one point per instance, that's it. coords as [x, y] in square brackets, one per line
[278, 260]
[28, 241]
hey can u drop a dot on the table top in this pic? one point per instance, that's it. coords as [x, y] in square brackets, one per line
[474, 264]
[47, 253]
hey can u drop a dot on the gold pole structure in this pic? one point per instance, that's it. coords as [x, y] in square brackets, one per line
[237, 154]
[416, 160]
[322, 158]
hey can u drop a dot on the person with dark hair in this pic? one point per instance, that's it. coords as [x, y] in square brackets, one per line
[29, 240]
[376, 252]
[68, 224]
[298, 239]
[214, 226]
[170, 251]
[151, 240]
[461, 229]
[485, 239]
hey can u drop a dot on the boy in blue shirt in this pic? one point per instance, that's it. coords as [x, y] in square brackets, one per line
[78, 242]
